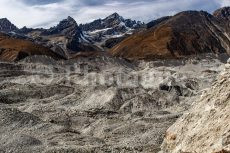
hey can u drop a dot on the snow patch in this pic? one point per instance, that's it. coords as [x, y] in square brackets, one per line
[97, 31]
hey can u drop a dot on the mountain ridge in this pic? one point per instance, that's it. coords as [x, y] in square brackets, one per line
[110, 21]
[111, 27]
[167, 37]
[186, 33]
[67, 37]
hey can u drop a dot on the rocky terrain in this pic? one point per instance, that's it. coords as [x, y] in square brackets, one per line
[204, 128]
[98, 104]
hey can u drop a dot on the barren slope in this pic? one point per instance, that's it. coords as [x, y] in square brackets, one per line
[187, 33]
[114, 107]
[12, 49]
[205, 128]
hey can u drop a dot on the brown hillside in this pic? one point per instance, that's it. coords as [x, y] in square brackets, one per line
[12, 49]
[186, 33]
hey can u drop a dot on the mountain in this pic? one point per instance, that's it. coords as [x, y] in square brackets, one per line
[12, 49]
[65, 39]
[67, 27]
[72, 33]
[68, 38]
[7, 26]
[111, 21]
[113, 26]
[186, 33]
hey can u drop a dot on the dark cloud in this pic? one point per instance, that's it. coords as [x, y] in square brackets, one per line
[40, 2]
[205, 4]
[48, 12]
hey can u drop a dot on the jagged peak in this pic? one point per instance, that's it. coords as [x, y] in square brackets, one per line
[5, 20]
[115, 16]
[6, 25]
[67, 26]
[68, 20]
[227, 8]
[222, 13]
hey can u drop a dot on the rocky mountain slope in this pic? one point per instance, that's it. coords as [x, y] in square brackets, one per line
[186, 33]
[157, 21]
[223, 15]
[204, 128]
[12, 49]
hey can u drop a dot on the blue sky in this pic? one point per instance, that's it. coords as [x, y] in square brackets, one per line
[46, 13]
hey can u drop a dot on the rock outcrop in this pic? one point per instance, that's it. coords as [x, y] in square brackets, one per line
[205, 128]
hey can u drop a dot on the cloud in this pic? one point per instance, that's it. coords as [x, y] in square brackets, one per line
[144, 10]
[22, 14]
[36, 2]
[224, 3]
[40, 13]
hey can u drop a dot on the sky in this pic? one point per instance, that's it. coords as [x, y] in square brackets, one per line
[47, 13]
